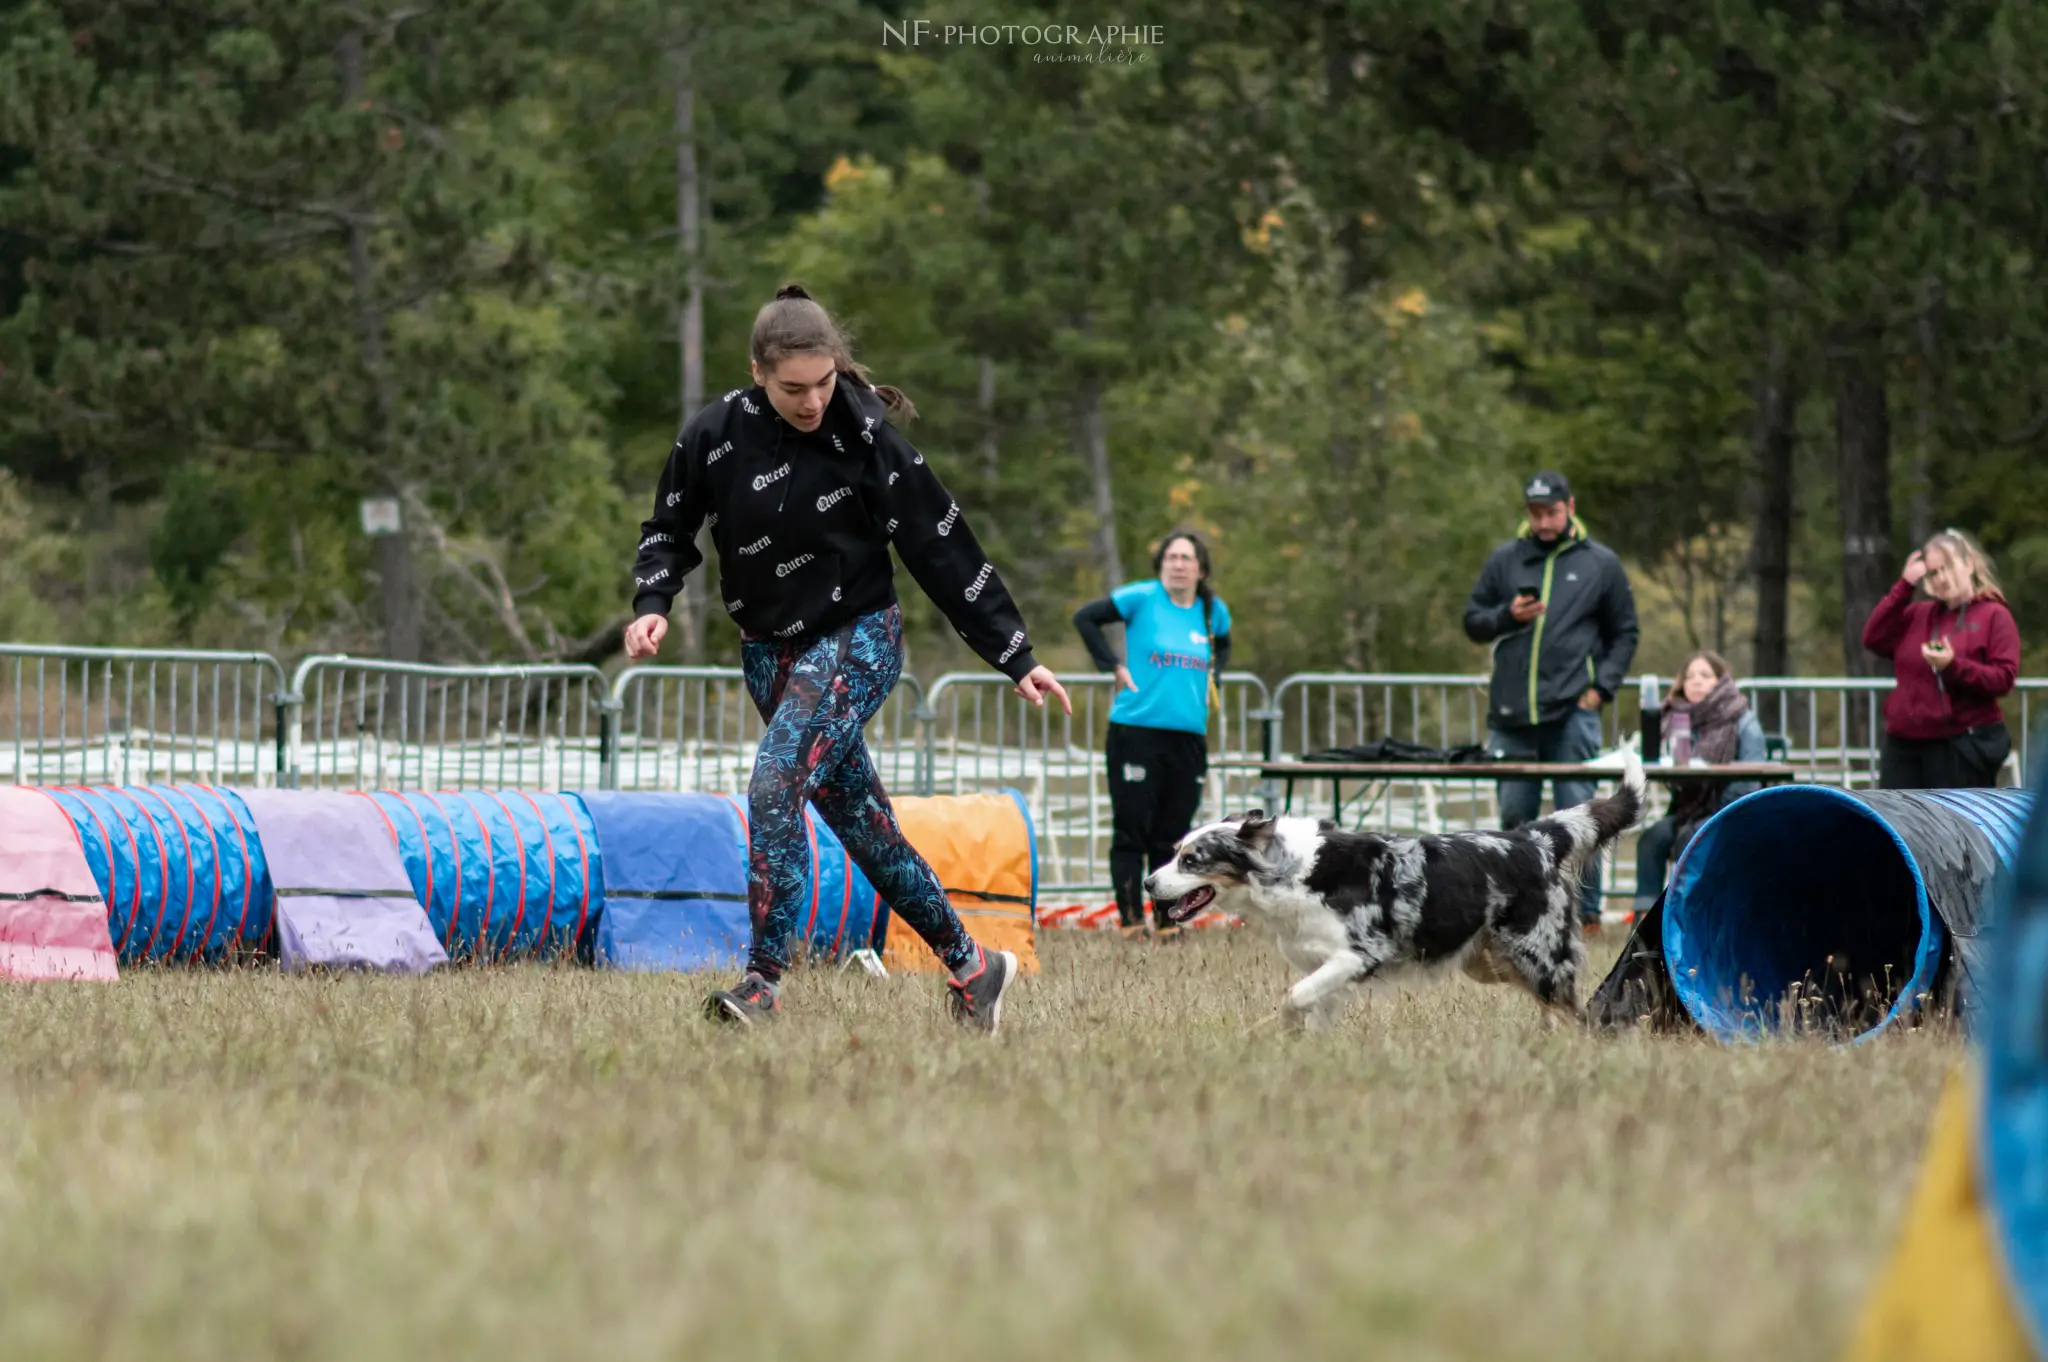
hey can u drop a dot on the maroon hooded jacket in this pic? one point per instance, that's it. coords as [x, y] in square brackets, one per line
[1931, 704]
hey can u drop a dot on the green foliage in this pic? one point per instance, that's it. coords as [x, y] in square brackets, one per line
[1353, 457]
[204, 514]
[32, 552]
[1334, 277]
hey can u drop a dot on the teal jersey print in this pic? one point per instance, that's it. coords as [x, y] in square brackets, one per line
[1167, 649]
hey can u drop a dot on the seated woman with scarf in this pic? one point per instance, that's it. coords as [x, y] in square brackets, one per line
[1723, 730]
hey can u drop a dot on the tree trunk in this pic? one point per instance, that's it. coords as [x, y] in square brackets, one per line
[397, 591]
[695, 595]
[985, 403]
[985, 406]
[1340, 96]
[99, 502]
[1773, 435]
[1920, 497]
[1863, 441]
[1091, 434]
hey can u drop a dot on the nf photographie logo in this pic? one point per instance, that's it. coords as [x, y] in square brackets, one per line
[1110, 44]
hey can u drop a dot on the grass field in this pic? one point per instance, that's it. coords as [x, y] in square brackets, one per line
[541, 1163]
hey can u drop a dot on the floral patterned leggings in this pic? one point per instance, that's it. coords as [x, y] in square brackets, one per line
[815, 696]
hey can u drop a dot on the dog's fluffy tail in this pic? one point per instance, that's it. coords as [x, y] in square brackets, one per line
[1578, 832]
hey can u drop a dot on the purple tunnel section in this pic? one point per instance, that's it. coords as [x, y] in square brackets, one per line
[343, 900]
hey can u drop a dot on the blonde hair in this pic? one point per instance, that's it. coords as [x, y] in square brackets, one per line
[794, 323]
[1961, 546]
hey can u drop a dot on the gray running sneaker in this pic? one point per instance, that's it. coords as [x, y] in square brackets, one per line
[751, 1000]
[976, 997]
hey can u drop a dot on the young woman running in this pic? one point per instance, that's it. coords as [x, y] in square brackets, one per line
[804, 486]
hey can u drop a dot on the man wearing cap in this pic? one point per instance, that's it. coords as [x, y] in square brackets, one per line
[1557, 608]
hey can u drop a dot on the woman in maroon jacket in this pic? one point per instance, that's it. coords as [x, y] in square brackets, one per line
[1954, 656]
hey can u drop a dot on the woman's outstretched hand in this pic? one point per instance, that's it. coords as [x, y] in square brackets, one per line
[1038, 683]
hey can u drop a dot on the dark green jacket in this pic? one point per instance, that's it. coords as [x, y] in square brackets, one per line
[1586, 638]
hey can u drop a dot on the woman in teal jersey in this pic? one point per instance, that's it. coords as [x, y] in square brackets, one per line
[1176, 642]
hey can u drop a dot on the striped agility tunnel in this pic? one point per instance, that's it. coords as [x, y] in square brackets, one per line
[407, 881]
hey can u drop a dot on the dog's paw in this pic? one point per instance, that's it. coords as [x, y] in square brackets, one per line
[1298, 1020]
[1292, 1016]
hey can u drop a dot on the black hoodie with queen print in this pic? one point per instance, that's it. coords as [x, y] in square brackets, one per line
[803, 521]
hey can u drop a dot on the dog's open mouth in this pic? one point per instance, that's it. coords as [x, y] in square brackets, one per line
[1190, 903]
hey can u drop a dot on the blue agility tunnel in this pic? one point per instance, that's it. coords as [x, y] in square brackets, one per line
[2014, 1156]
[846, 912]
[180, 867]
[630, 880]
[503, 875]
[675, 875]
[1806, 887]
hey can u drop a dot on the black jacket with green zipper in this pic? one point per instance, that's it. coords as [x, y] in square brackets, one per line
[1587, 637]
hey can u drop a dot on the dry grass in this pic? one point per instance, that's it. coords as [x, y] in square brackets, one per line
[558, 1164]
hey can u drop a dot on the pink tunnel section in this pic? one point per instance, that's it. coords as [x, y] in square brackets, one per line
[53, 922]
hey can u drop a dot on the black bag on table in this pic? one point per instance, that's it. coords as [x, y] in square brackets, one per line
[1400, 749]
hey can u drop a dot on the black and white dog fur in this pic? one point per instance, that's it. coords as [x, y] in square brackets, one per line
[1362, 907]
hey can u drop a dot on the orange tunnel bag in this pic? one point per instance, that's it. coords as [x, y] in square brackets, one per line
[983, 850]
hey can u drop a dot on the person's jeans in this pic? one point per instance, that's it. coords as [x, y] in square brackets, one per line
[1576, 737]
[1653, 855]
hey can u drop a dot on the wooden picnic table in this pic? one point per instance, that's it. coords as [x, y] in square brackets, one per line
[1337, 772]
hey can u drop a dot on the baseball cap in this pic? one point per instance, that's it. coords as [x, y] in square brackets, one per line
[1547, 487]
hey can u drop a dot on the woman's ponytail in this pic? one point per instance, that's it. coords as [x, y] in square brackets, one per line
[795, 323]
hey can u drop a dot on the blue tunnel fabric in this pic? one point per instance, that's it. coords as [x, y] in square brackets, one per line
[503, 875]
[1030, 842]
[845, 907]
[675, 874]
[1997, 825]
[643, 881]
[180, 866]
[1782, 879]
[2014, 1148]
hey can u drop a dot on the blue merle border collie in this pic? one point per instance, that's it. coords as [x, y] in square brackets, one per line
[1368, 908]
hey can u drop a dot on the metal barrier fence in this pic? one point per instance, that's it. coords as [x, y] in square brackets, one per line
[129, 716]
[132, 716]
[1830, 728]
[980, 735]
[1833, 729]
[360, 724]
[1317, 710]
[694, 728]
[2028, 704]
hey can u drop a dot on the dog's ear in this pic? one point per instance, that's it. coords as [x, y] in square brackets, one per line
[1246, 816]
[1255, 829]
